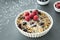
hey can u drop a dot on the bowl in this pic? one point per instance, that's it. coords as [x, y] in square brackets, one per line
[43, 3]
[34, 35]
[56, 9]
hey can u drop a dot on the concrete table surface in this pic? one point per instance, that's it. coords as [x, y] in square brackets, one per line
[9, 9]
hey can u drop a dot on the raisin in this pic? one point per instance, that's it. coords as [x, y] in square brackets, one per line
[42, 23]
[34, 26]
[30, 11]
[24, 23]
[19, 26]
[25, 30]
[39, 13]
[31, 23]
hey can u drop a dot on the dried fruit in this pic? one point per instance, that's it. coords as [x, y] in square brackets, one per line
[30, 11]
[24, 23]
[25, 30]
[31, 23]
[19, 26]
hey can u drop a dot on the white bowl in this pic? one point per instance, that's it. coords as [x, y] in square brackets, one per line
[56, 9]
[42, 3]
[35, 34]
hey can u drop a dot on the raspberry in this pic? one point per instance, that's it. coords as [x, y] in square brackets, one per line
[35, 12]
[58, 5]
[35, 18]
[31, 16]
[26, 14]
[27, 18]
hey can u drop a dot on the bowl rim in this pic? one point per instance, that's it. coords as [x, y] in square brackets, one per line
[37, 32]
[43, 3]
[56, 3]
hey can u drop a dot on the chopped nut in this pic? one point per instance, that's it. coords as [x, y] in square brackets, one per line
[41, 30]
[30, 31]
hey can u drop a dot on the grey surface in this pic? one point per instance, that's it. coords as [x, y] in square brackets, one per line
[9, 9]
